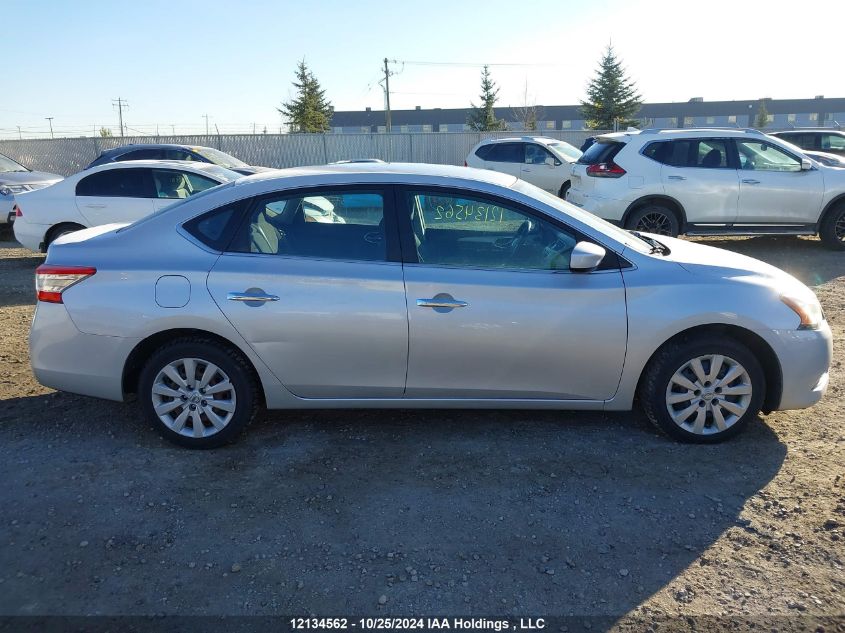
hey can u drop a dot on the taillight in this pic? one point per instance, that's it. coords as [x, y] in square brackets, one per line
[465, 164]
[18, 212]
[52, 281]
[605, 170]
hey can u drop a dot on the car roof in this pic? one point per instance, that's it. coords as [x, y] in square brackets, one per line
[545, 140]
[801, 130]
[385, 172]
[682, 133]
[184, 165]
[135, 146]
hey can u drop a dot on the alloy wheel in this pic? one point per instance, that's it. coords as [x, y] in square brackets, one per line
[655, 222]
[193, 397]
[839, 228]
[708, 394]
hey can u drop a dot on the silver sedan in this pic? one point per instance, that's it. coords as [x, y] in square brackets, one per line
[439, 287]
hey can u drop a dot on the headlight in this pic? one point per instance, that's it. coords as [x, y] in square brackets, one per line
[810, 312]
[10, 190]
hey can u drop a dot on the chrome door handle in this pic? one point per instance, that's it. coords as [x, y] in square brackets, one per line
[246, 296]
[750, 181]
[676, 177]
[441, 303]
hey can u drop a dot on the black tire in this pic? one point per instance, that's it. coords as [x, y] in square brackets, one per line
[60, 229]
[655, 383]
[654, 218]
[234, 367]
[832, 228]
[563, 189]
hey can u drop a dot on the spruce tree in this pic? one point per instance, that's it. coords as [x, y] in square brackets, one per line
[483, 117]
[762, 115]
[612, 98]
[308, 110]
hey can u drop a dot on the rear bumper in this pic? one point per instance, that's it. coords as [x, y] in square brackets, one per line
[805, 357]
[65, 359]
[606, 208]
[31, 236]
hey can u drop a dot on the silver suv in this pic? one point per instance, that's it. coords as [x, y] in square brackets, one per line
[710, 182]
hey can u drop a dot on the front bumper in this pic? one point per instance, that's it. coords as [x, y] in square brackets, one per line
[805, 357]
[66, 359]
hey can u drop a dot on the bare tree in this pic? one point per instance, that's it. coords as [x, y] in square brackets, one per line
[528, 113]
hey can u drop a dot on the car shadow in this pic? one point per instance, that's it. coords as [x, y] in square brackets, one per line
[804, 258]
[530, 513]
[17, 277]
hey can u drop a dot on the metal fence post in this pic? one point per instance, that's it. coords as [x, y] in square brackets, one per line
[325, 150]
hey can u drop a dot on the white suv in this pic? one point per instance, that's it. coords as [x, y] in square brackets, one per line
[709, 182]
[544, 162]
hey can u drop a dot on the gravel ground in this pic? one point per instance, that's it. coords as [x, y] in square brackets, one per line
[372, 513]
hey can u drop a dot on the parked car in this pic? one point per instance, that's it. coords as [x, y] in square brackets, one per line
[114, 192]
[709, 182]
[828, 160]
[544, 162]
[15, 179]
[823, 140]
[444, 287]
[169, 151]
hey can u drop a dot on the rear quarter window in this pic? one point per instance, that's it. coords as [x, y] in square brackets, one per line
[482, 151]
[601, 151]
[216, 228]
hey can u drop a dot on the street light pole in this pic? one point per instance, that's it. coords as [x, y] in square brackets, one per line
[50, 119]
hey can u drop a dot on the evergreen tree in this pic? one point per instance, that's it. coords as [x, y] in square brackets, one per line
[762, 116]
[308, 110]
[483, 118]
[612, 98]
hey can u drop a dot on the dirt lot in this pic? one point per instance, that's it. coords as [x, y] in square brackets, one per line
[431, 512]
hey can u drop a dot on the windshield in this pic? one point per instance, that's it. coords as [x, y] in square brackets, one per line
[219, 158]
[7, 164]
[603, 226]
[566, 150]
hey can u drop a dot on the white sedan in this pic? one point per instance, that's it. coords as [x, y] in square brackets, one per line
[114, 192]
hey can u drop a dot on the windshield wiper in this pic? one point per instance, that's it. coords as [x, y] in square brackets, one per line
[656, 247]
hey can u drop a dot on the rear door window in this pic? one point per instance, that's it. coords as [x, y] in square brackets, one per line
[707, 153]
[505, 153]
[345, 225]
[142, 154]
[121, 183]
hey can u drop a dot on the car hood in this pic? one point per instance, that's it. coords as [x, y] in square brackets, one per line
[699, 259]
[27, 177]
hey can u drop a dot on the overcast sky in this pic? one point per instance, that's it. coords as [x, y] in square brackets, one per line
[176, 60]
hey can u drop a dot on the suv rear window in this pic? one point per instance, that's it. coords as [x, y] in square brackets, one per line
[602, 151]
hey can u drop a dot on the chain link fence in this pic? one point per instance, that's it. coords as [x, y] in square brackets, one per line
[67, 156]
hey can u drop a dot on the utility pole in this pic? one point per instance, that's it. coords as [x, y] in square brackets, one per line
[386, 96]
[173, 128]
[120, 103]
[50, 119]
[206, 124]
[20, 138]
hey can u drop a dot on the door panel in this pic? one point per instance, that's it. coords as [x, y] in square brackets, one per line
[698, 173]
[106, 209]
[339, 329]
[536, 171]
[332, 320]
[773, 188]
[494, 311]
[520, 335]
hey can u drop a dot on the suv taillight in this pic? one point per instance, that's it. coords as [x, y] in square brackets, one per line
[18, 212]
[605, 170]
[52, 281]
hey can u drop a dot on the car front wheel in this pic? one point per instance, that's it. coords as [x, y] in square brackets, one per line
[198, 393]
[832, 229]
[703, 390]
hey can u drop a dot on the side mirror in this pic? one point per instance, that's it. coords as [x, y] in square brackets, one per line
[586, 257]
[806, 164]
[552, 162]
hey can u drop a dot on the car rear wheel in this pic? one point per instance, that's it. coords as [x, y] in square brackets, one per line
[832, 229]
[563, 189]
[703, 390]
[654, 219]
[198, 393]
[60, 229]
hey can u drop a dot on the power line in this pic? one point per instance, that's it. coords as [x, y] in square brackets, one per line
[471, 64]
